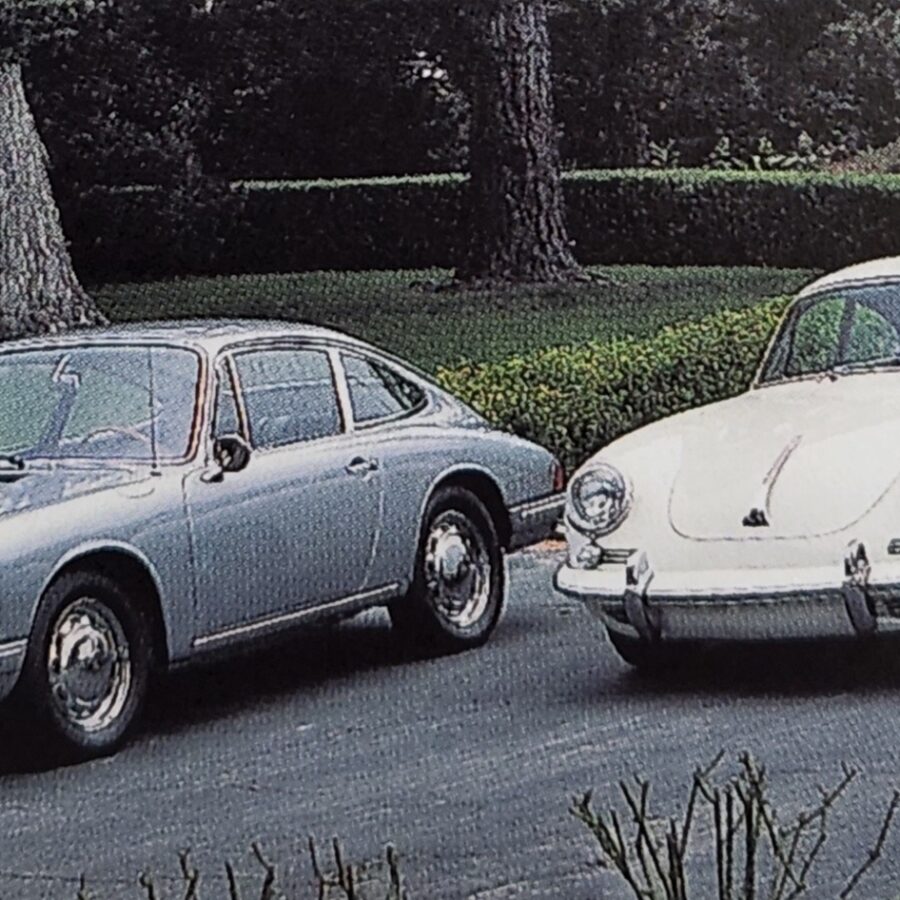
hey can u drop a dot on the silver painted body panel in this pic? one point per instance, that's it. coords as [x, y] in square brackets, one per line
[293, 537]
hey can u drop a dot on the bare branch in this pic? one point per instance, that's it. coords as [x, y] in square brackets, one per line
[875, 852]
[234, 892]
[649, 842]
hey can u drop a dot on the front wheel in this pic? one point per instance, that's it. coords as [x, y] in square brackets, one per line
[457, 594]
[87, 668]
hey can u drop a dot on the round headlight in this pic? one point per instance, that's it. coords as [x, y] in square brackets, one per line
[600, 500]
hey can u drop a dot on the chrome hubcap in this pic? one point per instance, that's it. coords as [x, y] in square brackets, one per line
[88, 665]
[457, 570]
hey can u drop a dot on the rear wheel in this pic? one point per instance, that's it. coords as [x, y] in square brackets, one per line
[457, 593]
[87, 668]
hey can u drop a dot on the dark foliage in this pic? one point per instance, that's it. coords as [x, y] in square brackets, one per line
[679, 217]
[354, 88]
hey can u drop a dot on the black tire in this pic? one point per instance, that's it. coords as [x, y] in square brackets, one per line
[419, 618]
[107, 618]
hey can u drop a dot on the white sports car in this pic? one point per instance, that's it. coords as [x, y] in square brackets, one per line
[770, 516]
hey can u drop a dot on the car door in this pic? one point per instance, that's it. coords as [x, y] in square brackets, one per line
[295, 528]
[384, 405]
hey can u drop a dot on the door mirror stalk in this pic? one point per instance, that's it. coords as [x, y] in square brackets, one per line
[231, 453]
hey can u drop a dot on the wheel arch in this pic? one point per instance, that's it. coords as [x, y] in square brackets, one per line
[128, 567]
[482, 484]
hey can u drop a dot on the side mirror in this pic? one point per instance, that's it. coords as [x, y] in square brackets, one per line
[231, 454]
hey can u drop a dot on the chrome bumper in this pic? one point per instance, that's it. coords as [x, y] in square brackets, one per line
[635, 600]
[12, 656]
[535, 521]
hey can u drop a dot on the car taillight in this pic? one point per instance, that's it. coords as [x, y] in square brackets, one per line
[558, 476]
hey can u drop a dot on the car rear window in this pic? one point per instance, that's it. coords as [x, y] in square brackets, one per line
[378, 391]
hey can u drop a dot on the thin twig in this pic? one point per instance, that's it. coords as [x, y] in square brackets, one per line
[268, 887]
[641, 852]
[393, 861]
[875, 852]
[810, 859]
[624, 864]
[718, 813]
[190, 874]
[147, 883]
[650, 843]
[729, 842]
[234, 892]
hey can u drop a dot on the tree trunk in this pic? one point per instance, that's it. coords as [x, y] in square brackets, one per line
[517, 230]
[39, 290]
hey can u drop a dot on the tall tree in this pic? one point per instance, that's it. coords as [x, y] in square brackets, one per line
[39, 290]
[517, 230]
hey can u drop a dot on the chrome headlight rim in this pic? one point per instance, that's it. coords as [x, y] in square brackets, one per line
[577, 517]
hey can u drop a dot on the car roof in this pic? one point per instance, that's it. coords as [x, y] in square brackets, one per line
[211, 334]
[873, 271]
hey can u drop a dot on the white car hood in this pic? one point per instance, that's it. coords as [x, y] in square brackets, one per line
[811, 457]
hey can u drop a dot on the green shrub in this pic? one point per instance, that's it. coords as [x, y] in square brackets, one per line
[576, 399]
[672, 217]
[705, 217]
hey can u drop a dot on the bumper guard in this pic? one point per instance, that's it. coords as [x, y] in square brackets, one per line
[857, 599]
[638, 575]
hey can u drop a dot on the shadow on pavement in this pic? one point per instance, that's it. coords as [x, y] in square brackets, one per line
[790, 670]
[222, 687]
[307, 659]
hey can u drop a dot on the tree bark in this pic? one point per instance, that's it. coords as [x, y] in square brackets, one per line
[517, 230]
[39, 290]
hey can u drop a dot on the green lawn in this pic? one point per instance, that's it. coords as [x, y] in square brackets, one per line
[401, 311]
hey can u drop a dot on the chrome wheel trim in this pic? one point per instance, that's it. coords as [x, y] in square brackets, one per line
[89, 665]
[458, 569]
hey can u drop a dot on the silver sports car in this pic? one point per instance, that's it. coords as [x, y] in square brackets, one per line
[168, 491]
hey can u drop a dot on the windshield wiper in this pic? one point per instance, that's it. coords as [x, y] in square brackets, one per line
[14, 460]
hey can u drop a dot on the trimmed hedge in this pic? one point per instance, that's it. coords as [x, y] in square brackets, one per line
[576, 399]
[675, 217]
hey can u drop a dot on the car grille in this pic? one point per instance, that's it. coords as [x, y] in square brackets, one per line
[615, 557]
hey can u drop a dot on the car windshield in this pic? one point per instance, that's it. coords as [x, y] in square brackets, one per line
[101, 402]
[837, 332]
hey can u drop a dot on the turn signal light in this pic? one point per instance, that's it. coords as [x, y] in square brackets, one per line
[558, 476]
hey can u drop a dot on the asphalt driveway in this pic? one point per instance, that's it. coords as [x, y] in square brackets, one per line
[467, 764]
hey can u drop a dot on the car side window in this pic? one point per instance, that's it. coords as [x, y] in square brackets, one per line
[377, 391]
[816, 340]
[872, 337]
[289, 395]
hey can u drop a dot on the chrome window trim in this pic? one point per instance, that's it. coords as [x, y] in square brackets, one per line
[343, 389]
[224, 368]
[288, 342]
[390, 419]
[805, 295]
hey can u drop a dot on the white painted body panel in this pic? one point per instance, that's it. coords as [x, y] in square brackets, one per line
[820, 455]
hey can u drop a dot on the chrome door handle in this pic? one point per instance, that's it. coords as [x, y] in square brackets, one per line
[361, 466]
